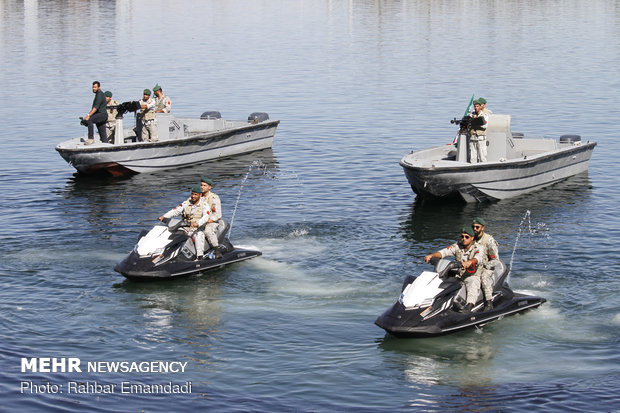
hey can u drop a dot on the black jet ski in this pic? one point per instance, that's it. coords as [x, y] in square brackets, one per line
[167, 252]
[432, 304]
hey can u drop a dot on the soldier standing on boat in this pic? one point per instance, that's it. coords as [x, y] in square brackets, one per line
[491, 260]
[471, 256]
[148, 121]
[483, 103]
[98, 115]
[162, 102]
[478, 137]
[110, 125]
[212, 202]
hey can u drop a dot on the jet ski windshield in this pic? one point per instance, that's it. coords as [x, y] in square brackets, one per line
[446, 268]
[175, 223]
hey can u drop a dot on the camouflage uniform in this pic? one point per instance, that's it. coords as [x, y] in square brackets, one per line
[162, 104]
[486, 111]
[110, 126]
[478, 140]
[491, 259]
[197, 213]
[149, 121]
[214, 209]
[471, 281]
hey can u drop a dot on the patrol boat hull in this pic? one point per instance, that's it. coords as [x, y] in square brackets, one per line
[516, 165]
[182, 142]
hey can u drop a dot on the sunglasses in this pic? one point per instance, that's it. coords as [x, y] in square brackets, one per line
[465, 237]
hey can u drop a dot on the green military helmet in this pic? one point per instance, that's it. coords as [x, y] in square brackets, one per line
[206, 180]
[147, 92]
[197, 189]
[482, 101]
[479, 221]
[108, 93]
[156, 87]
[467, 230]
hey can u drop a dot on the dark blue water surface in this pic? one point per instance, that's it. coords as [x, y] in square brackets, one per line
[356, 85]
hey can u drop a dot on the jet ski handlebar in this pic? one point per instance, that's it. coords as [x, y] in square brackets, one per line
[445, 268]
[175, 223]
[433, 261]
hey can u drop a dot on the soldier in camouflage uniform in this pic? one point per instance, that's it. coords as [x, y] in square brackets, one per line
[478, 138]
[214, 207]
[162, 102]
[490, 261]
[471, 255]
[110, 125]
[196, 213]
[148, 132]
[483, 103]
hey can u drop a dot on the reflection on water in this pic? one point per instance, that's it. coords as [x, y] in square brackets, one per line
[430, 226]
[107, 200]
[224, 174]
[461, 359]
[356, 84]
[186, 312]
[429, 221]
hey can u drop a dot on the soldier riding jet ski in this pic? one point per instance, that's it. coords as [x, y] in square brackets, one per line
[166, 252]
[433, 303]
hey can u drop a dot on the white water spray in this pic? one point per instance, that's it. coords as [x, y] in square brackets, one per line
[529, 223]
[255, 164]
[530, 230]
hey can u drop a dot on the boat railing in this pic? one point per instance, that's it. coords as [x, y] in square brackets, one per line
[531, 147]
[192, 126]
[170, 127]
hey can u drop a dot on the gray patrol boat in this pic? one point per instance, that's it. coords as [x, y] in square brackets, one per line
[182, 142]
[516, 164]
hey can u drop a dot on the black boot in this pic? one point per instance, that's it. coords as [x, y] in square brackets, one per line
[216, 253]
[467, 309]
[488, 305]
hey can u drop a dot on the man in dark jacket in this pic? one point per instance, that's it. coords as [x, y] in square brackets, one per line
[98, 115]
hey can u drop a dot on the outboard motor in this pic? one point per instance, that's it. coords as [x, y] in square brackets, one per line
[257, 117]
[570, 138]
[211, 114]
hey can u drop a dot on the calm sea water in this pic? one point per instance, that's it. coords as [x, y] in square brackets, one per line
[356, 85]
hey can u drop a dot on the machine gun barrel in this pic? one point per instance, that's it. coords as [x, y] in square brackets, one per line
[465, 122]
